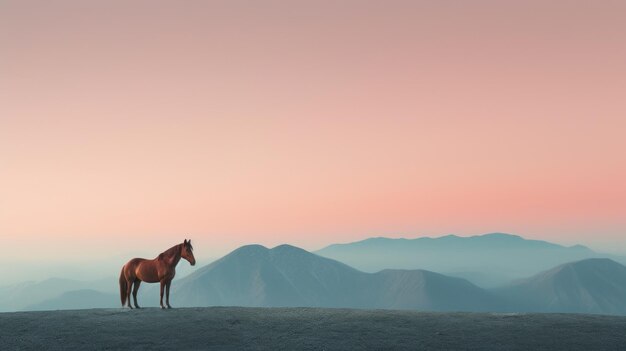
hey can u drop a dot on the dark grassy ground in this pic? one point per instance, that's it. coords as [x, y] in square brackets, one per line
[234, 328]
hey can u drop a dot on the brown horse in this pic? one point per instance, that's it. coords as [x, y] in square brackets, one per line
[161, 269]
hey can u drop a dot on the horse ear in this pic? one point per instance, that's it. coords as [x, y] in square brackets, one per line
[185, 241]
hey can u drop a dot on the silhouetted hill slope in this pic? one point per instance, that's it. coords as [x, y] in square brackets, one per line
[77, 299]
[487, 260]
[427, 291]
[588, 286]
[288, 276]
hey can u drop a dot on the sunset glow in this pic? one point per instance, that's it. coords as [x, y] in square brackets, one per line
[309, 123]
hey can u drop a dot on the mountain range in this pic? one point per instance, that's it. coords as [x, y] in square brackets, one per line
[488, 260]
[287, 276]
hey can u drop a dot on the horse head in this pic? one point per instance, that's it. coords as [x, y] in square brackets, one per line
[187, 252]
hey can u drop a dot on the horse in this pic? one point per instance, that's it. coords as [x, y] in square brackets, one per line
[161, 269]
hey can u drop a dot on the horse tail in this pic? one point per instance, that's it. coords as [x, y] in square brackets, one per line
[123, 287]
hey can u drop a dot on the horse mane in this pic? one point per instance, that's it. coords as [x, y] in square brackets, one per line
[171, 251]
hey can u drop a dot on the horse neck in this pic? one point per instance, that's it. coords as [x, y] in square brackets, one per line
[172, 255]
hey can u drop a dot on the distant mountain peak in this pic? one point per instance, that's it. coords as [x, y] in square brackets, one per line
[501, 236]
[250, 248]
[287, 247]
[257, 248]
[606, 262]
[260, 250]
[380, 238]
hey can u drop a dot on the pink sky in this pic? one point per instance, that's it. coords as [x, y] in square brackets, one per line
[127, 124]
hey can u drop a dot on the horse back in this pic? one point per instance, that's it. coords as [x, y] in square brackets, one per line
[142, 269]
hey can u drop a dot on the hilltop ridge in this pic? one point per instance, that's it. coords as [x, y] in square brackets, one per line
[234, 328]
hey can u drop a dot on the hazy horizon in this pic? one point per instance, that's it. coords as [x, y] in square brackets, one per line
[128, 126]
[104, 265]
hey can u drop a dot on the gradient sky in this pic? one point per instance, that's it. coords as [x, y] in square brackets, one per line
[130, 125]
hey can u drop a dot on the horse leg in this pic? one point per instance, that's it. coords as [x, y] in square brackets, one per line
[162, 286]
[129, 287]
[135, 289]
[167, 293]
